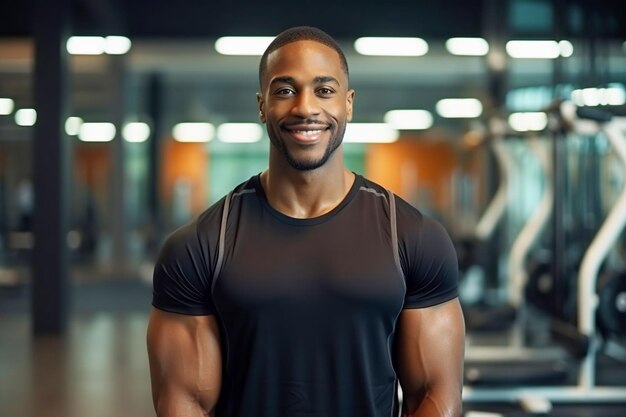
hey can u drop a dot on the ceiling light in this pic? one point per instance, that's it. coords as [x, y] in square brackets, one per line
[72, 125]
[6, 106]
[459, 107]
[539, 49]
[615, 96]
[25, 117]
[566, 48]
[136, 132]
[193, 132]
[528, 121]
[612, 96]
[97, 132]
[243, 45]
[86, 45]
[117, 45]
[586, 97]
[239, 132]
[391, 46]
[467, 46]
[409, 119]
[370, 133]
[98, 45]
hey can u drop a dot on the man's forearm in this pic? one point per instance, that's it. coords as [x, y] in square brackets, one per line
[181, 407]
[430, 405]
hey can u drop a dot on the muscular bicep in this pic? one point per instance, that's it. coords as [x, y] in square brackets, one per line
[185, 363]
[430, 343]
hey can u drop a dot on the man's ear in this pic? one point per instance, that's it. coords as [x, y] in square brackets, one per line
[349, 103]
[261, 104]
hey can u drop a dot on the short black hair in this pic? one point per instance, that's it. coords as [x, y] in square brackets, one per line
[301, 33]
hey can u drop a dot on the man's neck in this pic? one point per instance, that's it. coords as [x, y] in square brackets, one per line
[307, 194]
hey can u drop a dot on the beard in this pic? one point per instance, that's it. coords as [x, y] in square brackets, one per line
[302, 164]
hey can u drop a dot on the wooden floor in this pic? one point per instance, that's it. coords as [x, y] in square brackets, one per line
[100, 367]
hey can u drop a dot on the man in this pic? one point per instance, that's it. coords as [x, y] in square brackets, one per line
[309, 290]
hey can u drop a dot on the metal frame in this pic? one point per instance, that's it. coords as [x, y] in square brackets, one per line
[573, 394]
[585, 389]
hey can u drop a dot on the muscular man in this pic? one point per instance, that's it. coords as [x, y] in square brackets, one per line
[308, 291]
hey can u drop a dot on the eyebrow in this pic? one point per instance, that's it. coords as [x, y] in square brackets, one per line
[326, 79]
[322, 79]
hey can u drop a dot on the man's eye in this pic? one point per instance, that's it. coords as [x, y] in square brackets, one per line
[325, 91]
[284, 91]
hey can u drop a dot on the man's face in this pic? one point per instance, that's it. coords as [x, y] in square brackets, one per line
[305, 103]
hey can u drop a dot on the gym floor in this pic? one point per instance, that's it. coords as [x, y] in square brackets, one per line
[101, 369]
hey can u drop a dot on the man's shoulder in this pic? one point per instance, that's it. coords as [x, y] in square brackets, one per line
[214, 212]
[403, 207]
[368, 184]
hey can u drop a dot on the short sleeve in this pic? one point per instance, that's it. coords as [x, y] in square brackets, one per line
[180, 280]
[427, 257]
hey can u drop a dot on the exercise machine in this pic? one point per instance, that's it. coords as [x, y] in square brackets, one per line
[481, 315]
[595, 321]
[515, 362]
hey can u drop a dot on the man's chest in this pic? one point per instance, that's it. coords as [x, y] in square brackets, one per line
[342, 264]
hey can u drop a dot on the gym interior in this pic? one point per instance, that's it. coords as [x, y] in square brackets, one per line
[504, 120]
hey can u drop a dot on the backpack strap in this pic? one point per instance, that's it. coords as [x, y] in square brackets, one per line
[394, 230]
[222, 236]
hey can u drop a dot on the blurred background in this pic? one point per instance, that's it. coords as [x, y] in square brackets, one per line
[120, 121]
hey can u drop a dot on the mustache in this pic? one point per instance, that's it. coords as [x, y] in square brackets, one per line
[308, 121]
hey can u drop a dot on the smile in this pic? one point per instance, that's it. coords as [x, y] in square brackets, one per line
[307, 135]
[307, 132]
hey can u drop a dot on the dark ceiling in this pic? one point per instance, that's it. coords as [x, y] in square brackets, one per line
[433, 19]
[341, 18]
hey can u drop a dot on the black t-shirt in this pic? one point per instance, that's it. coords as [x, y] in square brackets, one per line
[307, 308]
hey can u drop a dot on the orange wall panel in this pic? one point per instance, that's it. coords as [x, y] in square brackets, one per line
[417, 170]
[187, 162]
[92, 164]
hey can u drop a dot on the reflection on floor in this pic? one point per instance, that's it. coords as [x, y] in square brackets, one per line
[561, 410]
[100, 368]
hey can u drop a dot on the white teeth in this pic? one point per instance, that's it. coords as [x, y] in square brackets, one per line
[308, 132]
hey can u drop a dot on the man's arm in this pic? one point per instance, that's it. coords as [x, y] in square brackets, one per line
[185, 364]
[431, 348]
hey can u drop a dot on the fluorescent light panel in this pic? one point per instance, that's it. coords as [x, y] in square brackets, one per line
[391, 46]
[98, 45]
[25, 117]
[117, 45]
[566, 48]
[6, 106]
[459, 108]
[467, 46]
[193, 132]
[539, 49]
[239, 132]
[409, 119]
[97, 132]
[243, 45]
[85, 45]
[528, 121]
[612, 96]
[72, 125]
[136, 132]
[370, 133]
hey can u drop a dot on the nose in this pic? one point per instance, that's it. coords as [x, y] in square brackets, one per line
[306, 104]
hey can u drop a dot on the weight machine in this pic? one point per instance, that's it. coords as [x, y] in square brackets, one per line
[596, 322]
